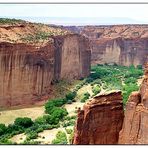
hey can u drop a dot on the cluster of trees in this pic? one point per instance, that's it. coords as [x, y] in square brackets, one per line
[115, 77]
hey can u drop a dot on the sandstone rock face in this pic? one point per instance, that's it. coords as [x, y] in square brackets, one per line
[121, 44]
[72, 57]
[30, 65]
[135, 129]
[26, 73]
[120, 51]
[100, 120]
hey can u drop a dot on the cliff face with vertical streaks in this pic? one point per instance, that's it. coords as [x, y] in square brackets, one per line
[32, 56]
[72, 57]
[26, 73]
[121, 44]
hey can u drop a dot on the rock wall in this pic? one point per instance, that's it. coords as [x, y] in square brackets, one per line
[100, 120]
[28, 70]
[121, 44]
[120, 51]
[135, 129]
[72, 56]
[26, 73]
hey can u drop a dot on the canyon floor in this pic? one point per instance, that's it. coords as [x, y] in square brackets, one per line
[103, 78]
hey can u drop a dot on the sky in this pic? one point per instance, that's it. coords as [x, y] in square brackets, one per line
[78, 14]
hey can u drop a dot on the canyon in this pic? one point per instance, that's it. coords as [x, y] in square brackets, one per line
[34, 57]
[116, 44]
[31, 61]
[103, 119]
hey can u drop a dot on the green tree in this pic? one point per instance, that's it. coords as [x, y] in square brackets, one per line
[2, 129]
[24, 122]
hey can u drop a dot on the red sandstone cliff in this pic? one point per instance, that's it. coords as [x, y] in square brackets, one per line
[32, 56]
[135, 129]
[121, 44]
[100, 120]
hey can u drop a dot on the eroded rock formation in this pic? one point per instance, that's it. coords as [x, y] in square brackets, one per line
[121, 44]
[135, 129]
[29, 65]
[72, 56]
[26, 73]
[100, 120]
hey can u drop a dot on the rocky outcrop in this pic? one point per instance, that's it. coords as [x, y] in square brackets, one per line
[28, 67]
[121, 44]
[135, 129]
[100, 120]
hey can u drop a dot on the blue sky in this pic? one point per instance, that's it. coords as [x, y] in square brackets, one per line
[77, 14]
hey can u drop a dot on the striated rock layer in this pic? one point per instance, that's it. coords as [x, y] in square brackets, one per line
[28, 69]
[121, 44]
[72, 57]
[135, 129]
[26, 73]
[100, 120]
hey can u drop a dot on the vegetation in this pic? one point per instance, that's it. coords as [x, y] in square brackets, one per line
[85, 97]
[127, 90]
[41, 35]
[10, 21]
[2, 129]
[61, 138]
[54, 103]
[68, 121]
[24, 122]
[68, 130]
[113, 77]
[96, 89]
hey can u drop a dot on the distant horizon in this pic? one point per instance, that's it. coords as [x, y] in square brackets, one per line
[81, 21]
[77, 15]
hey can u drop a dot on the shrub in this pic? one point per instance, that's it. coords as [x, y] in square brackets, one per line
[40, 120]
[96, 89]
[61, 138]
[89, 80]
[59, 113]
[24, 122]
[139, 66]
[68, 123]
[54, 103]
[32, 135]
[2, 129]
[127, 90]
[68, 130]
[130, 80]
[71, 95]
[12, 128]
[85, 97]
